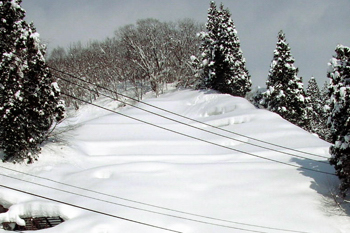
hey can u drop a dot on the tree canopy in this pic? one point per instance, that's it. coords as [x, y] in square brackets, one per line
[285, 94]
[29, 97]
[222, 66]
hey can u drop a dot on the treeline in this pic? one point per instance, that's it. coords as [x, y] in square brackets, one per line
[148, 56]
[285, 94]
[325, 112]
[141, 57]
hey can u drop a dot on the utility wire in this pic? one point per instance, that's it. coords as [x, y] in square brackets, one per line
[188, 118]
[192, 126]
[155, 212]
[137, 202]
[199, 139]
[90, 210]
[150, 225]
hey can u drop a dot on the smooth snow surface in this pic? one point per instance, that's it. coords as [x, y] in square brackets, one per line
[117, 156]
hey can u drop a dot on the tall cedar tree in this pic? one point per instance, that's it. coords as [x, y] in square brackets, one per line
[29, 97]
[285, 94]
[315, 106]
[339, 119]
[325, 102]
[222, 66]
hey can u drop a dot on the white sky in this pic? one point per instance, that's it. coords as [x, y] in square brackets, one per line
[313, 27]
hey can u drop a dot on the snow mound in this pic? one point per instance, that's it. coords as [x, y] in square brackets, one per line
[122, 167]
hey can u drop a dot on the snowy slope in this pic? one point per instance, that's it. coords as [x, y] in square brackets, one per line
[141, 167]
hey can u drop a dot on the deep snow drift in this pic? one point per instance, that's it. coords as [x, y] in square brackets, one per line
[128, 169]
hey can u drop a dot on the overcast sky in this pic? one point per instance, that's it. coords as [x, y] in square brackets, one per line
[313, 28]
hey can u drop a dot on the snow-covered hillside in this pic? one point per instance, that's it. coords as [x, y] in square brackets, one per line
[139, 172]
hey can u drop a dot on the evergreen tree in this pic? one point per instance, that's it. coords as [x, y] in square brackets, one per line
[315, 108]
[325, 99]
[325, 102]
[29, 97]
[222, 66]
[339, 119]
[285, 94]
[256, 95]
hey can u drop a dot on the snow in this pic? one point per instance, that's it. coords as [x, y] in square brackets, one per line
[193, 58]
[35, 36]
[301, 98]
[119, 159]
[205, 62]
[15, 4]
[55, 87]
[343, 91]
[18, 95]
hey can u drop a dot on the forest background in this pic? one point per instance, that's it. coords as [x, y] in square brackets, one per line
[313, 28]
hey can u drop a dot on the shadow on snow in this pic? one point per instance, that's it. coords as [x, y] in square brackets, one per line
[326, 185]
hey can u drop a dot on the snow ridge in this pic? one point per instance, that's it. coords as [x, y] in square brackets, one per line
[117, 156]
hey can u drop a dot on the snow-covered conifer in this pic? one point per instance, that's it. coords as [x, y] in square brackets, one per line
[285, 94]
[315, 108]
[222, 66]
[325, 102]
[29, 97]
[256, 95]
[324, 92]
[318, 109]
[339, 119]
[313, 91]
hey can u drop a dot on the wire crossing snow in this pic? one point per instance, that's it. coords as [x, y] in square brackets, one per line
[101, 151]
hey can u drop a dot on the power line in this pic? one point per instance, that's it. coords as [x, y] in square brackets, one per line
[195, 127]
[199, 139]
[179, 115]
[137, 202]
[155, 212]
[90, 210]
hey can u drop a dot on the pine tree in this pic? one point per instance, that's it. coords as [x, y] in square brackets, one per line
[222, 66]
[315, 108]
[325, 102]
[29, 97]
[318, 109]
[325, 99]
[339, 119]
[285, 94]
[256, 95]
